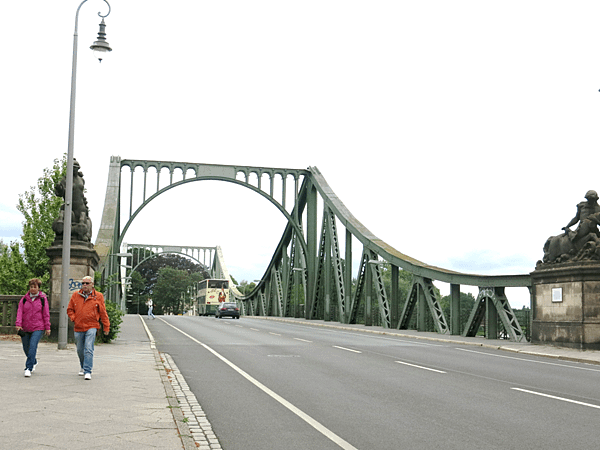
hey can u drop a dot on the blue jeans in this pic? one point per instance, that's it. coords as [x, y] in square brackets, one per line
[30, 344]
[85, 348]
[150, 315]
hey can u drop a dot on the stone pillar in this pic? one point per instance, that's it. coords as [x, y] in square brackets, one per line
[566, 305]
[84, 261]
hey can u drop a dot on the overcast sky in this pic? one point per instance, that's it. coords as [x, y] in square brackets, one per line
[462, 133]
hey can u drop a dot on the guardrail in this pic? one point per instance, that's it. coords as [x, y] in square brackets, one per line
[8, 312]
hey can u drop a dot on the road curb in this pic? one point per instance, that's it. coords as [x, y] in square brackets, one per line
[185, 435]
[194, 428]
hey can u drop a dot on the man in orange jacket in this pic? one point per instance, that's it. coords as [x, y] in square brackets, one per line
[86, 308]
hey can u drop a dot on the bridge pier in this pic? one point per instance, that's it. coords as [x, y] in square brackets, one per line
[566, 306]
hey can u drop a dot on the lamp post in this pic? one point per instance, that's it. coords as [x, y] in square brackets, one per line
[102, 47]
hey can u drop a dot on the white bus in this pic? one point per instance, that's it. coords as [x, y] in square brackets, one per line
[211, 292]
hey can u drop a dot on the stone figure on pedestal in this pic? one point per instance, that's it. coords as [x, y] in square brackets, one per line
[579, 245]
[81, 225]
[84, 259]
[566, 283]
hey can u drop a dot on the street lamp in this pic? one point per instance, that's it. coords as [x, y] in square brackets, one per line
[102, 46]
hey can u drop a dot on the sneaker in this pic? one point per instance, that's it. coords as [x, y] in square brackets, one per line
[27, 373]
[81, 373]
[88, 376]
[33, 370]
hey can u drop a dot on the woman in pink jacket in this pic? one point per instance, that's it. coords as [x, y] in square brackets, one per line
[33, 319]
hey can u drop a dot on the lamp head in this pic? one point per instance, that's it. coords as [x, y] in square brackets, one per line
[101, 47]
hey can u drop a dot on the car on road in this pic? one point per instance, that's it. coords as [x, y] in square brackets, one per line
[227, 310]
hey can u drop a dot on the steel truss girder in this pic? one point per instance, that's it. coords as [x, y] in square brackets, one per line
[329, 258]
[362, 284]
[336, 260]
[494, 302]
[290, 278]
[278, 287]
[262, 303]
[384, 307]
[297, 264]
[250, 309]
[320, 290]
[423, 289]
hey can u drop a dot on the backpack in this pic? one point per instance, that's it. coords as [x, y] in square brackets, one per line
[43, 299]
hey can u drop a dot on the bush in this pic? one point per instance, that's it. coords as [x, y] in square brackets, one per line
[115, 316]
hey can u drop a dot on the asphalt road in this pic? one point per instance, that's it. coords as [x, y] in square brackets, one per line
[271, 385]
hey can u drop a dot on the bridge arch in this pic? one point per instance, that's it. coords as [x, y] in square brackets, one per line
[147, 201]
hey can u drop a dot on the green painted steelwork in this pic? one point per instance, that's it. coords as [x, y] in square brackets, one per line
[493, 304]
[422, 290]
[307, 276]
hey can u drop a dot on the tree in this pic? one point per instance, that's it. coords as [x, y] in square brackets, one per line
[40, 207]
[169, 289]
[467, 301]
[244, 287]
[150, 268]
[14, 272]
[138, 300]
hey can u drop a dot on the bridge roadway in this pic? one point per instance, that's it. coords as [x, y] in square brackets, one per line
[266, 384]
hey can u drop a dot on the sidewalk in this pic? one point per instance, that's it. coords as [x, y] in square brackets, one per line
[526, 348]
[126, 405]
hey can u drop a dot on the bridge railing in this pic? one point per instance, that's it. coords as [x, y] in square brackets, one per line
[8, 313]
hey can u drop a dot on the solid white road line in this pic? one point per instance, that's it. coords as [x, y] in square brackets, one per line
[557, 398]
[152, 343]
[309, 420]
[420, 367]
[303, 340]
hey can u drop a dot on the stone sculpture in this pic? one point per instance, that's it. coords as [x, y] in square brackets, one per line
[583, 244]
[81, 225]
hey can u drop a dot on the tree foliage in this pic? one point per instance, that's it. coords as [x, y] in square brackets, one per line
[40, 207]
[170, 289]
[115, 317]
[136, 294]
[169, 279]
[467, 301]
[149, 269]
[14, 272]
[20, 262]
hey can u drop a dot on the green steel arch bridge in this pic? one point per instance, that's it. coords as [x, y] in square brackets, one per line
[307, 275]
